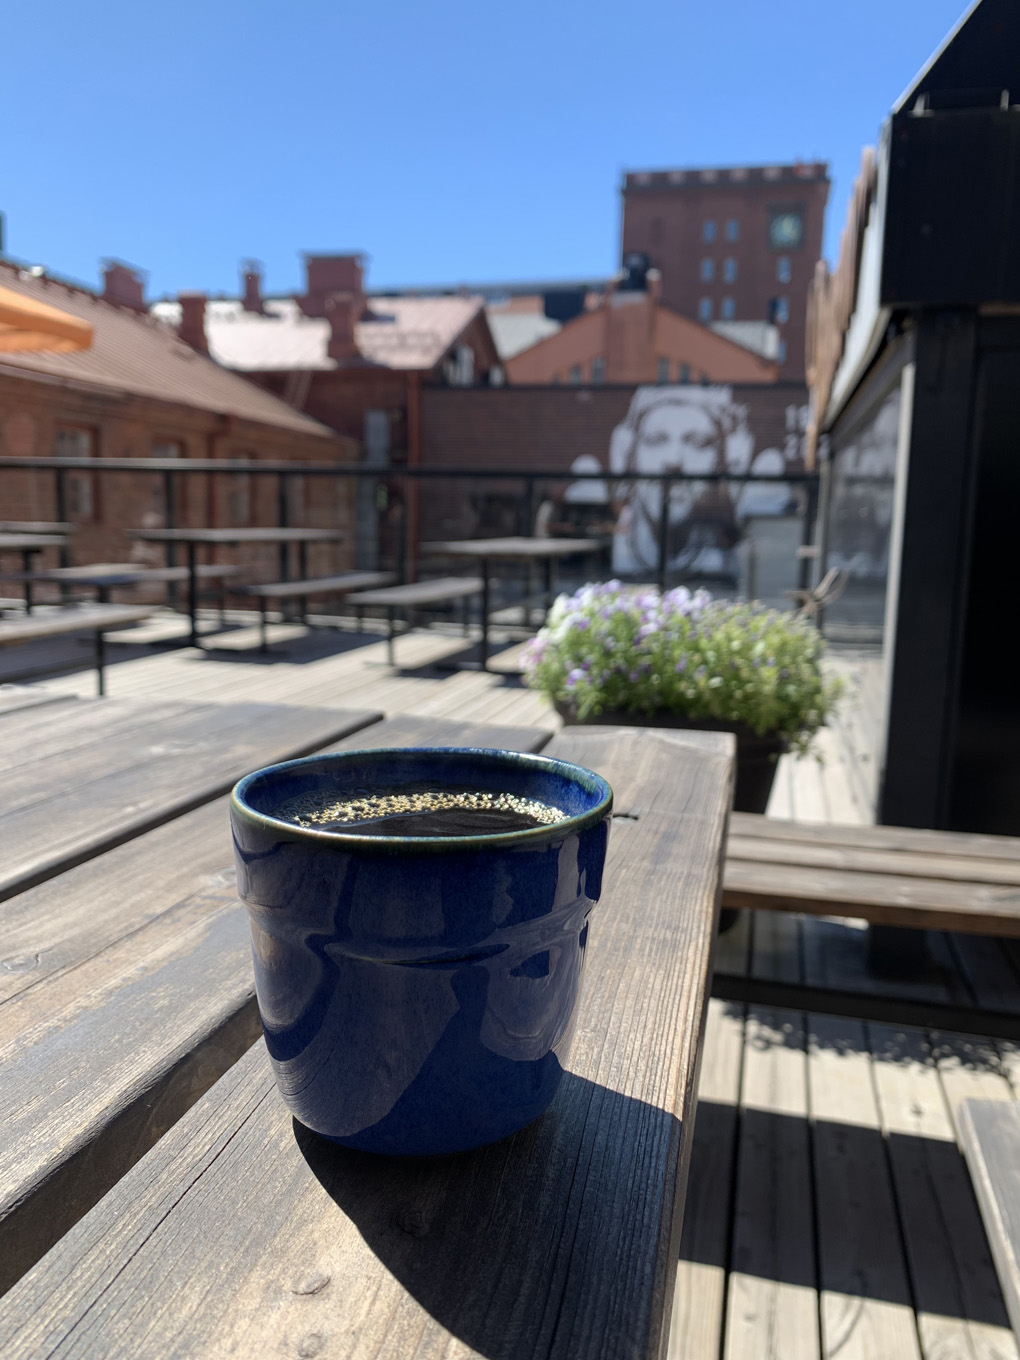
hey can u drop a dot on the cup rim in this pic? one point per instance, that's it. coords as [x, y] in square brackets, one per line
[347, 840]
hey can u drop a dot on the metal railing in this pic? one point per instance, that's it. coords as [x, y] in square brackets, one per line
[668, 518]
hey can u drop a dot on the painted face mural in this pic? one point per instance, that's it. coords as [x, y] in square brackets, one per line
[696, 431]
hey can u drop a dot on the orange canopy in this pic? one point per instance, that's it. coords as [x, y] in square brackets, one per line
[29, 325]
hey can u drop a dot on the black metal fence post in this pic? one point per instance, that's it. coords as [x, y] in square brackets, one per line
[170, 522]
[282, 519]
[667, 490]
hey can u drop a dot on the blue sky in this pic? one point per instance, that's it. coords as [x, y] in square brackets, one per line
[449, 140]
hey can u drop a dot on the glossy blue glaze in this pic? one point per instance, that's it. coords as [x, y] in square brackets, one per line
[417, 994]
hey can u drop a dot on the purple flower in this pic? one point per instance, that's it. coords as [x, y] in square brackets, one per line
[574, 676]
[681, 665]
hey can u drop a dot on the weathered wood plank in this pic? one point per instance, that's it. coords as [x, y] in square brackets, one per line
[561, 1241]
[907, 840]
[956, 1295]
[888, 899]
[835, 957]
[991, 1142]
[733, 948]
[699, 1294]
[988, 970]
[772, 1312]
[16, 698]
[911, 864]
[776, 951]
[866, 1301]
[111, 781]
[969, 1068]
[149, 975]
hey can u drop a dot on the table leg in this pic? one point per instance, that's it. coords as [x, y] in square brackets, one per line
[26, 562]
[548, 587]
[264, 643]
[100, 660]
[485, 614]
[193, 591]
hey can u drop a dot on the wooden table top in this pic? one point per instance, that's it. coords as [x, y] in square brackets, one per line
[127, 988]
[513, 547]
[125, 573]
[35, 526]
[30, 542]
[226, 536]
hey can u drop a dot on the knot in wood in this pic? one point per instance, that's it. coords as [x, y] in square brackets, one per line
[20, 963]
[311, 1345]
[412, 1221]
[311, 1283]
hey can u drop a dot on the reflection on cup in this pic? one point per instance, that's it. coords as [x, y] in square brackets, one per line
[417, 993]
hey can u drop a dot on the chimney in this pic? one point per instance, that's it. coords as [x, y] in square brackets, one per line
[192, 327]
[252, 276]
[330, 274]
[123, 284]
[343, 311]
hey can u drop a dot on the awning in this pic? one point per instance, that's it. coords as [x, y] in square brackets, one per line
[29, 325]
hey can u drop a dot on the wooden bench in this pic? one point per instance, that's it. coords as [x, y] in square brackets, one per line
[889, 875]
[990, 1137]
[343, 585]
[442, 590]
[97, 619]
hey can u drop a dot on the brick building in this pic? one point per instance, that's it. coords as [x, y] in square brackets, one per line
[556, 428]
[733, 245]
[630, 337]
[354, 362]
[139, 392]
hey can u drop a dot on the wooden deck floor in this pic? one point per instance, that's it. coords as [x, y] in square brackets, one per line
[829, 1210]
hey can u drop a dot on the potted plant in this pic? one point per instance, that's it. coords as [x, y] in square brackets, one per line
[616, 654]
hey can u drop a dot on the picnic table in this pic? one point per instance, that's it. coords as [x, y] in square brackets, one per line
[530, 550]
[156, 1198]
[193, 539]
[29, 546]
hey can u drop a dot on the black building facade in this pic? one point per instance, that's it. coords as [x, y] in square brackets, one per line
[920, 434]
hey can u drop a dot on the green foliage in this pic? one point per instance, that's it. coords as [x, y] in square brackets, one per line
[609, 647]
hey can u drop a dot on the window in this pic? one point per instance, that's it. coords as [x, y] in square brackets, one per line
[732, 229]
[708, 230]
[158, 516]
[707, 271]
[685, 373]
[729, 270]
[74, 442]
[598, 370]
[783, 271]
[574, 375]
[662, 370]
[782, 311]
[781, 351]
[705, 309]
[728, 310]
[238, 498]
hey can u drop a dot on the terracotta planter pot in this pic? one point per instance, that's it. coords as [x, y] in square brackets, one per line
[757, 759]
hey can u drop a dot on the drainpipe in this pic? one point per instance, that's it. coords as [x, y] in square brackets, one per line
[413, 461]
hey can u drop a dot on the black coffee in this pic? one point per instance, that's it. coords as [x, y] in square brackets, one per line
[419, 812]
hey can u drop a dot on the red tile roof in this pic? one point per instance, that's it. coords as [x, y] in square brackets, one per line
[133, 352]
[402, 332]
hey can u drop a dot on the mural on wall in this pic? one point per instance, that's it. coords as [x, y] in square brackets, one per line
[861, 512]
[694, 432]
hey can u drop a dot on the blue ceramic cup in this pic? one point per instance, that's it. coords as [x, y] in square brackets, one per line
[417, 993]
